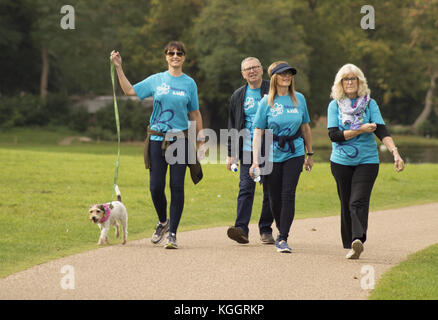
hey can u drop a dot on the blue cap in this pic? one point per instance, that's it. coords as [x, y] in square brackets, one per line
[281, 68]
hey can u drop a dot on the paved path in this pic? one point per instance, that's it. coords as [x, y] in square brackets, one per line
[208, 265]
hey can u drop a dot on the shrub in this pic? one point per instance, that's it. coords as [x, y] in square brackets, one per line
[430, 126]
[133, 120]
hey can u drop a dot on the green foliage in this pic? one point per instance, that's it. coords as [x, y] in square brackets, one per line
[317, 37]
[133, 116]
[430, 126]
[31, 110]
[19, 73]
[242, 29]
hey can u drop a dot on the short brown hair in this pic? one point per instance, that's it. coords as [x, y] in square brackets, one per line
[178, 45]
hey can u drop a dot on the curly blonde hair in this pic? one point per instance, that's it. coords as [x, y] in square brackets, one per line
[273, 86]
[337, 89]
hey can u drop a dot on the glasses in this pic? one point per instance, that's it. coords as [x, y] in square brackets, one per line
[349, 79]
[251, 68]
[172, 53]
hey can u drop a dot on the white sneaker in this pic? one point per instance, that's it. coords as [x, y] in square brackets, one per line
[357, 249]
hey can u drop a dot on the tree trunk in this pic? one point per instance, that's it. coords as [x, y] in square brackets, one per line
[44, 73]
[428, 105]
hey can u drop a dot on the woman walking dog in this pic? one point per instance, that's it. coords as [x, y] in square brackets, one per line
[175, 96]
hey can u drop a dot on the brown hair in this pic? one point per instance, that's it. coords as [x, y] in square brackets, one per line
[273, 86]
[178, 45]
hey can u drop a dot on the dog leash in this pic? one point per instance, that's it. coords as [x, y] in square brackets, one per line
[116, 113]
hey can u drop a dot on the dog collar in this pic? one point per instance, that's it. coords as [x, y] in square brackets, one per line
[107, 213]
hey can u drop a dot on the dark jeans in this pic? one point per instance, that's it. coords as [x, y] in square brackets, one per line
[354, 184]
[245, 201]
[282, 183]
[157, 174]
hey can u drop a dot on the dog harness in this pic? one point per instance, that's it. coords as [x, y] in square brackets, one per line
[107, 213]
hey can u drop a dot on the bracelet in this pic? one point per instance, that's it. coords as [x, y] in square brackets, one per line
[310, 153]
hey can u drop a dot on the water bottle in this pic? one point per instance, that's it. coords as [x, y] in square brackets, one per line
[256, 174]
[234, 167]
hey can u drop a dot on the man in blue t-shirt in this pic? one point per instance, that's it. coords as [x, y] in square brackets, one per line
[243, 107]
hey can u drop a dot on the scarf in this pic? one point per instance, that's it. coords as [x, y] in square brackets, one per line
[353, 114]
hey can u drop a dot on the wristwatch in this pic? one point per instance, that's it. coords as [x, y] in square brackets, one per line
[310, 153]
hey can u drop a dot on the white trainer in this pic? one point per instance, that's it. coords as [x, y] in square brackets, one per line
[357, 249]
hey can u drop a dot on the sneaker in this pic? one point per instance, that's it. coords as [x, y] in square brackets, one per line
[357, 249]
[283, 247]
[160, 231]
[237, 234]
[267, 238]
[277, 241]
[171, 241]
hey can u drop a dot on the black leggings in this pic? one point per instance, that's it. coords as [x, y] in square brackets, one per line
[157, 184]
[354, 184]
[282, 183]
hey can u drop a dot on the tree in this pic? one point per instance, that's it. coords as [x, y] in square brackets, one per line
[19, 73]
[424, 22]
[144, 37]
[228, 31]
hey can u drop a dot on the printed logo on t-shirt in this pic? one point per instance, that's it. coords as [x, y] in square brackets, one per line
[291, 109]
[249, 103]
[163, 89]
[277, 110]
[178, 93]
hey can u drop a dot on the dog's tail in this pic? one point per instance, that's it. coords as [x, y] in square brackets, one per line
[119, 195]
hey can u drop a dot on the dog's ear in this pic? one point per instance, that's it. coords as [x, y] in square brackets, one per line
[102, 207]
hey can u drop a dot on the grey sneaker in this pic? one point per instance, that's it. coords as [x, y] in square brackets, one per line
[160, 231]
[267, 238]
[237, 234]
[171, 241]
[357, 249]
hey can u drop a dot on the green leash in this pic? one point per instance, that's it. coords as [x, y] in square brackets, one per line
[116, 113]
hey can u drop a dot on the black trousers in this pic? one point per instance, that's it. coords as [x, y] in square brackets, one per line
[282, 184]
[354, 184]
[157, 184]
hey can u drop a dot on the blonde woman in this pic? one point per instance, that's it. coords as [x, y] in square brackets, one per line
[284, 111]
[353, 118]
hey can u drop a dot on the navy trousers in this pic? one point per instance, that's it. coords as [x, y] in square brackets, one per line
[157, 184]
[245, 201]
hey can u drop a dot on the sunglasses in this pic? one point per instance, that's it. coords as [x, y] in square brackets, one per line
[287, 73]
[172, 53]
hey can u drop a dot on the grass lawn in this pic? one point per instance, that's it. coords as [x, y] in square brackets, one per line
[414, 279]
[47, 190]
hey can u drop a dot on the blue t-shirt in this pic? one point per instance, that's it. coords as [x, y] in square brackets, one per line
[360, 149]
[173, 98]
[284, 119]
[252, 98]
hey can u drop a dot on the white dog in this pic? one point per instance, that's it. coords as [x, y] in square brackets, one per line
[106, 215]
